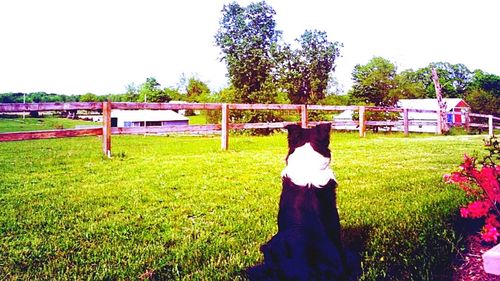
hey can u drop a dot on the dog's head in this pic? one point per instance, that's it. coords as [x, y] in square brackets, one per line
[308, 156]
[318, 137]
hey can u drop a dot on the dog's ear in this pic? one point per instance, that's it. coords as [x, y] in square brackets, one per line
[323, 132]
[293, 128]
[321, 139]
[294, 134]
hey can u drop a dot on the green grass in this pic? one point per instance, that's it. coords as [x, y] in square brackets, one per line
[185, 210]
[200, 119]
[42, 123]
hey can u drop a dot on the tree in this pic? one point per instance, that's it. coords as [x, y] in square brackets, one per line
[248, 37]
[483, 102]
[248, 40]
[174, 94]
[89, 97]
[334, 99]
[374, 83]
[131, 95]
[11, 97]
[196, 90]
[409, 85]
[486, 81]
[453, 78]
[484, 93]
[305, 72]
[150, 91]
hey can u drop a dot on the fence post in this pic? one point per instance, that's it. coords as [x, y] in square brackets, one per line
[490, 125]
[362, 125]
[467, 120]
[106, 128]
[224, 127]
[303, 115]
[406, 122]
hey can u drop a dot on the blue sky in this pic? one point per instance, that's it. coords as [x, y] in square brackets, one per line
[97, 46]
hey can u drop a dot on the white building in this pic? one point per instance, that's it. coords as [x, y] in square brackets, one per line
[455, 109]
[344, 121]
[140, 118]
[455, 113]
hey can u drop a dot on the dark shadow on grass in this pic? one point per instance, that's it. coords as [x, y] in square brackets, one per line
[465, 227]
[464, 230]
[166, 272]
[355, 238]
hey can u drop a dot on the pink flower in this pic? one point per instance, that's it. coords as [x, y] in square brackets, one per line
[464, 212]
[487, 180]
[447, 178]
[475, 209]
[492, 220]
[490, 233]
[454, 177]
[483, 185]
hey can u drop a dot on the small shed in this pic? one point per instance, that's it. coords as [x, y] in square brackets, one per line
[141, 118]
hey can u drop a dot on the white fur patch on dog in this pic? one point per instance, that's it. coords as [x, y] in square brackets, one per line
[306, 167]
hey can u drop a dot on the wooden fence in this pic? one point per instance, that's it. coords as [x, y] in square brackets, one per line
[106, 130]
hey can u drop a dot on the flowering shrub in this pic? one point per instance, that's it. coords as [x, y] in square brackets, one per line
[483, 187]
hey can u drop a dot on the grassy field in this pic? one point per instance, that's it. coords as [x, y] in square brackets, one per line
[42, 123]
[199, 119]
[178, 208]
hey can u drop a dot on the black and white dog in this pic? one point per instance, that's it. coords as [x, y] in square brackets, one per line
[308, 244]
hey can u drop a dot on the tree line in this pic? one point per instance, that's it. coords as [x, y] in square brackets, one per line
[189, 89]
[378, 83]
[263, 68]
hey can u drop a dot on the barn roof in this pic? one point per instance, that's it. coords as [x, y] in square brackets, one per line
[431, 104]
[148, 115]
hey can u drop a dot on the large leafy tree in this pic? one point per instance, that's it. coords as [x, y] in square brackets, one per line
[453, 78]
[409, 85]
[305, 71]
[197, 90]
[150, 91]
[484, 93]
[248, 37]
[486, 81]
[89, 97]
[131, 94]
[375, 83]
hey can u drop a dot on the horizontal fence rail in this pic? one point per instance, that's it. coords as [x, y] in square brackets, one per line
[49, 134]
[49, 106]
[105, 131]
[165, 129]
[165, 106]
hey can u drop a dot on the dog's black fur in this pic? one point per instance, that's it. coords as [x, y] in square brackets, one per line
[308, 244]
